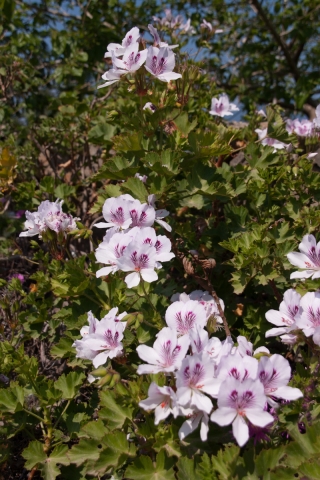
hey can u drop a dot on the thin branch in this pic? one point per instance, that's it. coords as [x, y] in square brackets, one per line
[277, 38]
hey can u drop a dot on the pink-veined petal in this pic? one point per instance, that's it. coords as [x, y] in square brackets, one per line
[299, 260]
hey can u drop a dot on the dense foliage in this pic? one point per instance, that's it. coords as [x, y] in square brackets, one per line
[231, 203]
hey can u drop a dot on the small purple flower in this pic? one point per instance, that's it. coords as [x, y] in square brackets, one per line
[19, 276]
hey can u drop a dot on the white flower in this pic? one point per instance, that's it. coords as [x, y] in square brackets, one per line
[238, 401]
[143, 178]
[222, 107]
[149, 107]
[237, 367]
[111, 76]
[162, 400]
[183, 317]
[271, 142]
[116, 211]
[308, 259]
[141, 260]
[187, 27]
[104, 340]
[206, 25]
[118, 50]
[160, 214]
[111, 250]
[156, 38]
[161, 243]
[285, 318]
[142, 214]
[169, 20]
[195, 416]
[194, 378]
[132, 59]
[309, 320]
[91, 328]
[209, 304]
[160, 63]
[48, 216]
[166, 354]
[303, 128]
[124, 212]
[200, 343]
[274, 373]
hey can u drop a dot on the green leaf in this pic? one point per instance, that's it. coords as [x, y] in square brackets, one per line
[144, 469]
[114, 411]
[94, 429]
[165, 163]
[68, 384]
[64, 191]
[127, 142]
[137, 188]
[268, 460]
[226, 461]
[50, 470]
[119, 443]
[186, 469]
[62, 348]
[205, 470]
[117, 168]
[12, 399]
[183, 124]
[34, 454]
[101, 132]
[84, 451]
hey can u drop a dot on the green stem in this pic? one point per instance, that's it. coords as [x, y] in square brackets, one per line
[147, 296]
[92, 299]
[62, 413]
[34, 415]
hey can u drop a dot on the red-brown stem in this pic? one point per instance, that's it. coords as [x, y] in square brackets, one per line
[32, 473]
[276, 292]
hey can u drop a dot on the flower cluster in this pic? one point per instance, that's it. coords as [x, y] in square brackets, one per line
[49, 216]
[101, 339]
[131, 244]
[174, 22]
[298, 313]
[208, 379]
[205, 299]
[206, 369]
[302, 128]
[159, 59]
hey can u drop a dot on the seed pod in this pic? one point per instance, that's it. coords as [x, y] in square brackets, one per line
[106, 380]
[99, 372]
[208, 263]
[188, 267]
